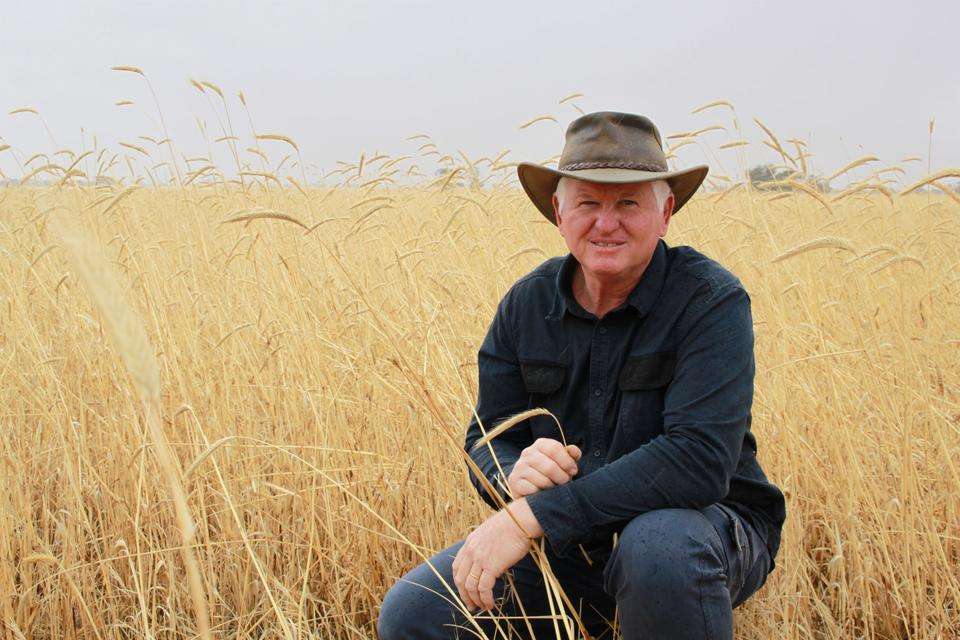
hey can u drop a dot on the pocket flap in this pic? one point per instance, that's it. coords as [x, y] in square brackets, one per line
[542, 377]
[648, 372]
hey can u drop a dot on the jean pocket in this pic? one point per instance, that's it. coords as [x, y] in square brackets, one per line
[750, 553]
[739, 548]
[756, 576]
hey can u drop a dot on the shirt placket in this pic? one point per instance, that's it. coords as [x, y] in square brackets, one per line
[599, 355]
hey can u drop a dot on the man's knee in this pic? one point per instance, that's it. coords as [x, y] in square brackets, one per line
[390, 622]
[419, 605]
[397, 617]
[663, 553]
[411, 610]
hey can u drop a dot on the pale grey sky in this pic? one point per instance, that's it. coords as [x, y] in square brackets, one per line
[850, 77]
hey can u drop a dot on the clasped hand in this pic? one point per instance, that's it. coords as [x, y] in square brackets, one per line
[544, 464]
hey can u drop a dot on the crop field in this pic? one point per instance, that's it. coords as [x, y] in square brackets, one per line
[232, 403]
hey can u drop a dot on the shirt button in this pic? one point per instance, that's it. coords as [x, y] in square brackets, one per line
[596, 454]
[597, 392]
[603, 331]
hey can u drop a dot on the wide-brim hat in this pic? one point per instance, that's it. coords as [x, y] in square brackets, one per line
[610, 147]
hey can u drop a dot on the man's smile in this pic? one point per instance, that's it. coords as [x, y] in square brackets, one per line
[608, 244]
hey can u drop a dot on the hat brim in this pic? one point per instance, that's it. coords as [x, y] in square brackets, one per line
[540, 182]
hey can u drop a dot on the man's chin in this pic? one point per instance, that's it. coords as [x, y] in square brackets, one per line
[604, 268]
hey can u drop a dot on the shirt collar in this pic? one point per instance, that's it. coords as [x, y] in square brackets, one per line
[642, 298]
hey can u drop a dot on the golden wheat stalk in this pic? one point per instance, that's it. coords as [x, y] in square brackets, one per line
[711, 105]
[206, 454]
[278, 138]
[52, 169]
[127, 333]
[193, 175]
[940, 175]
[513, 421]
[860, 188]
[881, 248]
[523, 252]
[898, 260]
[826, 242]
[774, 143]
[859, 162]
[394, 161]
[247, 216]
[262, 174]
[445, 180]
[128, 69]
[117, 198]
[813, 193]
[373, 199]
[213, 87]
[134, 147]
[299, 187]
[713, 127]
[536, 120]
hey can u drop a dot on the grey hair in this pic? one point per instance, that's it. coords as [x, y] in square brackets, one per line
[661, 189]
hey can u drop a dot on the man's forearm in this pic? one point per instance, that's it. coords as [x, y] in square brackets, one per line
[660, 475]
[524, 517]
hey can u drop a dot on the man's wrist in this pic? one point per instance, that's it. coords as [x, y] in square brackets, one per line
[523, 516]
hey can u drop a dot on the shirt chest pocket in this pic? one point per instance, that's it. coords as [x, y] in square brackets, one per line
[544, 382]
[643, 382]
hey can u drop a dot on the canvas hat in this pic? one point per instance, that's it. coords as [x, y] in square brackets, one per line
[612, 147]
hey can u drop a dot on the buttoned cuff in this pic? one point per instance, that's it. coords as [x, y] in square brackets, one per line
[499, 484]
[559, 515]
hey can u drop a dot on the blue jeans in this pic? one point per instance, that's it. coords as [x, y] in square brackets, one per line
[675, 573]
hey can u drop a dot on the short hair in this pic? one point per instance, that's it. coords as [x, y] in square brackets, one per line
[661, 189]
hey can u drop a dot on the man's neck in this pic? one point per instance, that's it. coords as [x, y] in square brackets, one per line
[600, 296]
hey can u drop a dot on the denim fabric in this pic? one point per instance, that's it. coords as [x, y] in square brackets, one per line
[675, 574]
[657, 394]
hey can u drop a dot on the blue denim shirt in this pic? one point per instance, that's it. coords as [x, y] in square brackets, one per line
[657, 395]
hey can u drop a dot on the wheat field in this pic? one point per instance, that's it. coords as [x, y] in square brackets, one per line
[232, 402]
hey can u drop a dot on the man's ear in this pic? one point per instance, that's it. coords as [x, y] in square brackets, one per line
[555, 201]
[667, 212]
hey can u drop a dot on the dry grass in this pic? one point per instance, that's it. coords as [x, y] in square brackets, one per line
[314, 385]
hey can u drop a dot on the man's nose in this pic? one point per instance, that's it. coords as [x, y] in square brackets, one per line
[607, 219]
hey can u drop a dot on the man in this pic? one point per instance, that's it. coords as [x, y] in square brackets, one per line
[644, 353]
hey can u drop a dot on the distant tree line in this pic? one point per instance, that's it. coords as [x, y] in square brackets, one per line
[771, 177]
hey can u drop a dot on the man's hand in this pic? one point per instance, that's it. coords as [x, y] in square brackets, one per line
[492, 548]
[544, 464]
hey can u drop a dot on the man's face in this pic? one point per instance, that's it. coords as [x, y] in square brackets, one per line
[611, 229]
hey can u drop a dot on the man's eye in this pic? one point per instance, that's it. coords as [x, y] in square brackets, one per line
[587, 202]
[629, 203]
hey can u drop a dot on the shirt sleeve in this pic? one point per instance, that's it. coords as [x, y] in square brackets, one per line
[705, 417]
[501, 394]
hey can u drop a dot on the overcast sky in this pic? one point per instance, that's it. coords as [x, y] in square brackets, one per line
[340, 78]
